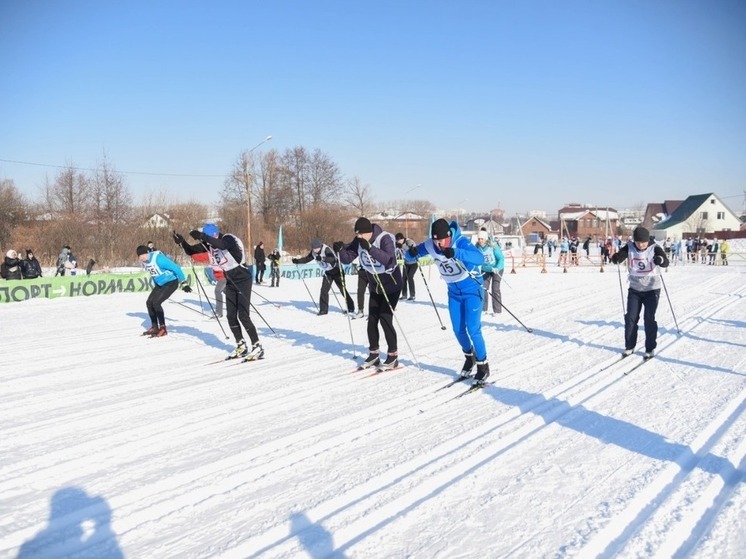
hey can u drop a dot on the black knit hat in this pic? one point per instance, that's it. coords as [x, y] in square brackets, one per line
[399, 237]
[641, 235]
[440, 229]
[142, 249]
[363, 225]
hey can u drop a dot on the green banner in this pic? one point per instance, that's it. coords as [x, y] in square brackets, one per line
[75, 286]
[14, 291]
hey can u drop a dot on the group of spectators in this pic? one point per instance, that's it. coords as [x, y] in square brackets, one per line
[15, 267]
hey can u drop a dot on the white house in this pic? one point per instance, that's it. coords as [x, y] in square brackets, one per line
[158, 221]
[699, 214]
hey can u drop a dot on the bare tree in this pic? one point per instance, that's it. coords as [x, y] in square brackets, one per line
[13, 209]
[295, 163]
[69, 193]
[357, 196]
[111, 208]
[325, 179]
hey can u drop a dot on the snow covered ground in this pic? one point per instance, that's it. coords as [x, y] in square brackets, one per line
[118, 446]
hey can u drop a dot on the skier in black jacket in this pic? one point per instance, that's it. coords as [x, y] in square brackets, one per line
[327, 260]
[227, 254]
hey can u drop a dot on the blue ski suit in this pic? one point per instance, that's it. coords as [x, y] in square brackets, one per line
[463, 275]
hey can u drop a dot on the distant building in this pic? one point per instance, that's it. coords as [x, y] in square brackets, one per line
[658, 211]
[158, 221]
[698, 215]
[582, 221]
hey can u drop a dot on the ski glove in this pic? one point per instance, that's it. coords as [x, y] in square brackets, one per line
[413, 251]
[196, 235]
[178, 239]
[364, 244]
[339, 245]
[185, 287]
[294, 260]
[614, 259]
[448, 252]
[658, 260]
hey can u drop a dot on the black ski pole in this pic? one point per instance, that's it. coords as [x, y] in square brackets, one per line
[529, 330]
[670, 305]
[306, 286]
[621, 289]
[442, 326]
[345, 294]
[199, 283]
[267, 300]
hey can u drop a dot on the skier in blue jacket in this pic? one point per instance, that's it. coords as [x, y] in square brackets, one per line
[166, 275]
[458, 262]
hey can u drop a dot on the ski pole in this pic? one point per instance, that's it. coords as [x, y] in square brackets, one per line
[306, 286]
[186, 306]
[529, 330]
[393, 313]
[345, 295]
[267, 300]
[670, 305]
[199, 283]
[442, 326]
[621, 289]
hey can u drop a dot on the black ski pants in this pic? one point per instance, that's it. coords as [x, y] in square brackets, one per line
[326, 284]
[362, 285]
[636, 300]
[410, 269]
[155, 302]
[381, 311]
[238, 307]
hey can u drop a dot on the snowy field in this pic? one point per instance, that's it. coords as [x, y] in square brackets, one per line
[114, 445]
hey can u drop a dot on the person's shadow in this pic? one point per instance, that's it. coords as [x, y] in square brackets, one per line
[78, 523]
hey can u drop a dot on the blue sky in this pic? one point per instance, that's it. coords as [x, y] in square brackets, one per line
[522, 105]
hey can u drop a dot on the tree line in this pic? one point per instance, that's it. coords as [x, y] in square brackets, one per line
[94, 211]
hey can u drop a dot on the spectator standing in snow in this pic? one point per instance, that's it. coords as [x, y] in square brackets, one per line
[260, 260]
[713, 250]
[10, 269]
[409, 268]
[226, 253]
[645, 285]
[459, 263]
[64, 261]
[274, 268]
[492, 272]
[724, 248]
[30, 266]
[326, 258]
[167, 276]
[376, 251]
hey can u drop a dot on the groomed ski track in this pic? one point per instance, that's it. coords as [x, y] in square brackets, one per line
[293, 454]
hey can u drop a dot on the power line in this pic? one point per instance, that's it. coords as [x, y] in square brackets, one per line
[122, 172]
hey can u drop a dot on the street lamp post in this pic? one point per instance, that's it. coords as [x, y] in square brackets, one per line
[249, 248]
